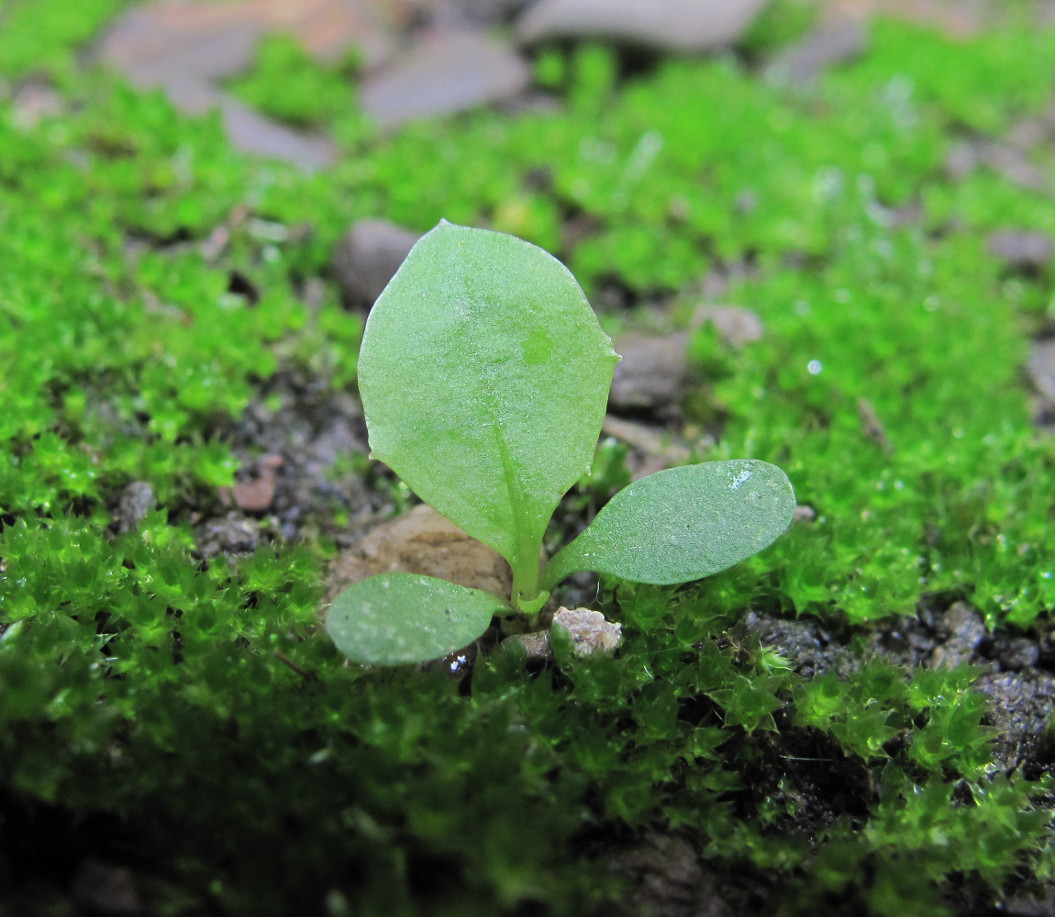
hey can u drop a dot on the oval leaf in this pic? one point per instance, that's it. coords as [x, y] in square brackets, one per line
[682, 524]
[404, 617]
[484, 377]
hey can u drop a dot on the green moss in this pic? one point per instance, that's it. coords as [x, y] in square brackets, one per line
[289, 85]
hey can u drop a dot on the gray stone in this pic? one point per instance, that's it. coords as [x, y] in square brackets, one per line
[186, 48]
[1020, 709]
[1016, 653]
[651, 377]
[590, 632]
[253, 133]
[445, 73]
[1009, 161]
[960, 631]
[1042, 367]
[735, 325]
[137, 499]
[470, 12]
[832, 42]
[1022, 249]
[366, 257]
[663, 25]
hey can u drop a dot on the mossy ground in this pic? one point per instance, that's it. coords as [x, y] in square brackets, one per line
[171, 709]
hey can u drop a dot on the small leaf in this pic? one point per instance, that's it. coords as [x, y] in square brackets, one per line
[484, 377]
[682, 524]
[403, 617]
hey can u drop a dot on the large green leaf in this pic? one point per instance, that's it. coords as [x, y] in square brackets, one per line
[484, 377]
[682, 524]
[404, 617]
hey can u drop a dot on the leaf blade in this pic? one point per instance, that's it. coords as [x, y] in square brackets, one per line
[396, 618]
[484, 376]
[682, 524]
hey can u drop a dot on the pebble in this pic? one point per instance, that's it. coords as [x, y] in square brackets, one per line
[1009, 161]
[257, 492]
[1042, 368]
[589, 630]
[106, 890]
[421, 541]
[1016, 653]
[187, 48]
[444, 73]
[251, 132]
[960, 631]
[1023, 250]
[478, 12]
[833, 42]
[660, 25]
[735, 325]
[366, 257]
[137, 499]
[1020, 705]
[228, 535]
[657, 447]
[652, 375]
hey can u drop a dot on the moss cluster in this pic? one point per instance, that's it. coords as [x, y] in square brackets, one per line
[177, 714]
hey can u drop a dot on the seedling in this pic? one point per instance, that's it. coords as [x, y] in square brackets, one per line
[484, 377]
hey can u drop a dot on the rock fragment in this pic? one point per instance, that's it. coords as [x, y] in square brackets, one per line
[735, 325]
[651, 377]
[660, 25]
[137, 499]
[447, 72]
[960, 631]
[833, 42]
[474, 12]
[590, 632]
[422, 541]
[187, 48]
[1041, 370]
[366, 257]
[1022, 250]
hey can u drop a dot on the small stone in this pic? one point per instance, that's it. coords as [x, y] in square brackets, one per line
[804, 513]
[1022, 250]
[104, 889]
[257, 492]
[651, 376]
[1042, 367]
[234, 533]
[735, 325]
[137, 499]
[366, 257]
[960, 631]
[1009, 161]
[1020, 709]
[589, 631]
[34, 101]
[654, 448]
[251, 132]
[187, 48]
[661, 25]
[535, 644]
[422, 541]
[833, 42]
[1016, 653]
[445, 73]
[471, 12]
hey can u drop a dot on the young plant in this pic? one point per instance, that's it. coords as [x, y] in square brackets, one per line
[484, 377]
